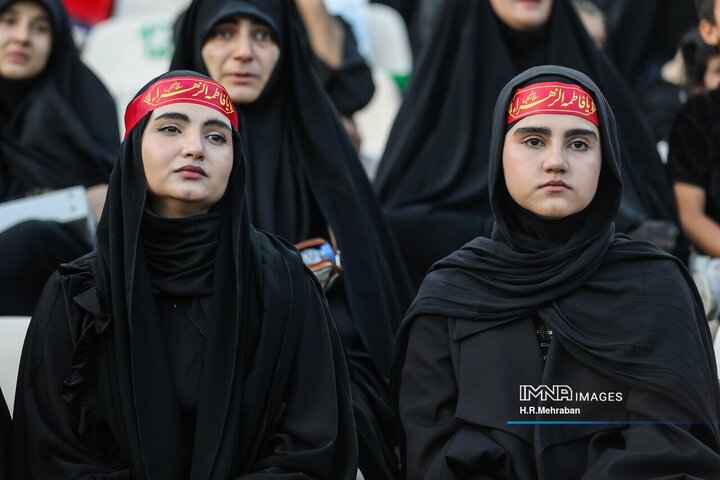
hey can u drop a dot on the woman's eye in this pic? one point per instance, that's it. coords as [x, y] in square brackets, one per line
[217, 138]
[41, 28]
[264, 35]
[169, 129]
[579, 145]
[7, 20]
[534, 142]
[221, 32]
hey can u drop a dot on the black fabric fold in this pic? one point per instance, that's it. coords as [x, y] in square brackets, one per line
[180, 252]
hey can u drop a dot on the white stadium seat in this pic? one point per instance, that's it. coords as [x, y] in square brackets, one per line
[12, 336]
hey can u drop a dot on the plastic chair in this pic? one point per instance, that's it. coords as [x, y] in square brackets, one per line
[12, 336]
[389, 40]
[142, 7]
[376, 119]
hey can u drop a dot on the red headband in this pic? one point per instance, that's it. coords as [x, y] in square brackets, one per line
[552, 97]
[168, 91]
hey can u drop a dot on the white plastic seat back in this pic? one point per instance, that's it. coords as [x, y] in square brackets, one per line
[376, 119]
[389, 39]
[142, 7]
[12, 336]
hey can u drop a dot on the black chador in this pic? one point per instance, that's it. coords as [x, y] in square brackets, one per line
[304, 177]
[193, 347]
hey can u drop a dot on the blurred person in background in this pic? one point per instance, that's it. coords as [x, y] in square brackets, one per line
[306, 184]
[432, 179]
[58, 128]
[694, 167]
[701, 63]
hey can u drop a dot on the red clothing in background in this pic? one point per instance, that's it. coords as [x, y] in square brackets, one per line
[89, 11]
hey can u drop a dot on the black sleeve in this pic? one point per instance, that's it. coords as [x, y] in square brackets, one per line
[689, 156]
[351, 86]
[438, 444]
[314, 436]
[428, 395]
[46, 443]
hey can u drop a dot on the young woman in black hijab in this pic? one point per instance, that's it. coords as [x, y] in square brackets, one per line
[557, 348]
[432, 178]
[58, 128]
[189, 345]
[305, 178]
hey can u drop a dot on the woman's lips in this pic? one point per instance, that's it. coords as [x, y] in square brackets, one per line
[555, 186]
[191, 171]
[242, 77]
[18, 57]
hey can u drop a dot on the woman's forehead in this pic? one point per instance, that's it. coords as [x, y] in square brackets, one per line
[559, 123]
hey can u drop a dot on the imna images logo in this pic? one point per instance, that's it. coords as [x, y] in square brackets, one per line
[563, 393]
[545, 393]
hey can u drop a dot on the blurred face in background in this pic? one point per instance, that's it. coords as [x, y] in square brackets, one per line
[241, 53]
[523, 15]
[25, 40]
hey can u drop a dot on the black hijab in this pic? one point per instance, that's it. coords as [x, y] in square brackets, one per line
[303, 171]
[621, 307]
[260, 301]
[60, 128]
[432, 177]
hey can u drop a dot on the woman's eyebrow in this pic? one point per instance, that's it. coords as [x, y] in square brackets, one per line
[174, 116]
[583, 132]
[217, 123]
[535, 130]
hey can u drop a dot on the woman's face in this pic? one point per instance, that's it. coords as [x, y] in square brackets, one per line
[187, 154]
[25, 40]
[241, 53]
[523, 15]
[552, 164]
